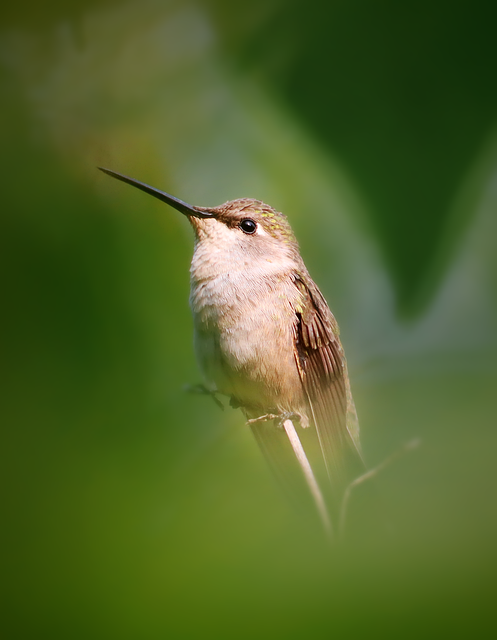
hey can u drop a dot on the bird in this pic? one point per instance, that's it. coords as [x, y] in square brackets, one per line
[265, 337]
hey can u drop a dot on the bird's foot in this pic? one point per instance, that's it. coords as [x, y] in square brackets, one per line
[280, 417]
[287, 415]
[202, 390]
[264, 418]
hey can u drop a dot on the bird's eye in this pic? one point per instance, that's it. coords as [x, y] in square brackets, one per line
[248, 225]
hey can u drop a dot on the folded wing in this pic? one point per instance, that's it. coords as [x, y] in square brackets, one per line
[323, 371]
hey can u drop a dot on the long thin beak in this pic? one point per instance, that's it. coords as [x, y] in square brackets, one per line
[186, 209]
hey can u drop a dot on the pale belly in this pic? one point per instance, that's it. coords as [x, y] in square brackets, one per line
[246, 350]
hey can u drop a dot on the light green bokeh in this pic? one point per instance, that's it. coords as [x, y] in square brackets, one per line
[136, 511]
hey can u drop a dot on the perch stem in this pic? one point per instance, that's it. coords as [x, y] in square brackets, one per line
[309, 475]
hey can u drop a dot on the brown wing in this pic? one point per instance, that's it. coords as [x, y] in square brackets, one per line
[323, 371]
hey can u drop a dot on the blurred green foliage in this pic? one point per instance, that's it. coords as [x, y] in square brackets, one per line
[132, 510]
[401, 93]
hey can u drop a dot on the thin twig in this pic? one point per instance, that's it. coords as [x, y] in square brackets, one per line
[408, 446]
[309, 476]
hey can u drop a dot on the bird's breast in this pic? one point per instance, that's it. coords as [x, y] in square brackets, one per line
[244, 323]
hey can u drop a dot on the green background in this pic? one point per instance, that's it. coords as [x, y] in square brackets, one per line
[133, 510]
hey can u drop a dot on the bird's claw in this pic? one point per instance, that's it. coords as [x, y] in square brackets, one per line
[281, 417]
[264, 418]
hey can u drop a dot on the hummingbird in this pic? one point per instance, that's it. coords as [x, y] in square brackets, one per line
[264, 335]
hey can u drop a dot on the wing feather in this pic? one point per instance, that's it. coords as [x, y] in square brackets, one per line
[323, 371]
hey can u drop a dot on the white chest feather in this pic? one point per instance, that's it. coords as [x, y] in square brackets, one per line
[244, 317]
